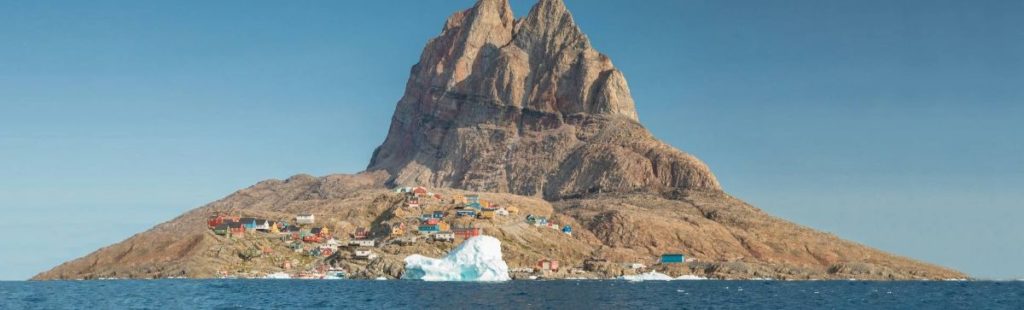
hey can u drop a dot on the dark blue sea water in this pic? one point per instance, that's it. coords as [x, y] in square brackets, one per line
[290, 294]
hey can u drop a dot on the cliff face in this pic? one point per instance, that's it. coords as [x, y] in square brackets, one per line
[527, 107]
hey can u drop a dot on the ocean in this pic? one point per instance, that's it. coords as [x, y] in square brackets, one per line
[344, 294]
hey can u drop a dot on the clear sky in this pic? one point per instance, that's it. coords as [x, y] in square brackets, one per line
[897, 124]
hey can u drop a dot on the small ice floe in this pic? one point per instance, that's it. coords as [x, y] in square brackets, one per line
[381, 279]
[278, 276]
[657, 276]
[477, 259]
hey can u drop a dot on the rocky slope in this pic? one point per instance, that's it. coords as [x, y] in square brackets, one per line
[526, 107]
[728, 238]
[527, 113]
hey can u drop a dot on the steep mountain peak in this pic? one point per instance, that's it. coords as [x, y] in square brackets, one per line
[528, 107]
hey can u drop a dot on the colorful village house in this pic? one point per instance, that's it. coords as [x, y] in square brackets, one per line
[446, 236]
[429, 228]
[420, 191]
[221, 230]
[305, 219]
[398, 229]
[567, 230]
[473, 201]
[312, 238]
[438, 214]
[249, 222]
[237, 229]
[547, 265]
[413, 202]
[263, 225]
[369, 243]
[673, 258]
[536, 220]
[466, 212]
[322, 232]
[294, 231]
[501, 212]
[467, 232]
[215, 221]
[326, 251]
[364, 254]
[361, 233]
[459, 199]
[274, 229]
[487, 213]
[512, 210]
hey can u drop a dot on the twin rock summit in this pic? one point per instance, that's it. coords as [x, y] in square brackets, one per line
[524, 112]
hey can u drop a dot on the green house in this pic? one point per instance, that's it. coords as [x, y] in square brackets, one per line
[673, 259]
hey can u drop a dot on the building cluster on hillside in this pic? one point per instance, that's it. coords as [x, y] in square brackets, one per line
[423, 216]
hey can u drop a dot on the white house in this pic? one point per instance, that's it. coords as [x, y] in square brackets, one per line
[444, 236]
[365, 254]
[305, 219]
[501, 212]
[333, 243]
[263, 225]
[363, 242]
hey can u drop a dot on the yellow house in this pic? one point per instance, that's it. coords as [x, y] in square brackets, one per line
[398, 230]
[512, 210]
[487, 214]
[458, 198]
[274, 229]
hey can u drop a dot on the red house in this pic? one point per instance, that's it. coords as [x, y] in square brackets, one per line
[215, 221]
[361, 233]
[547, 265]
[237, 229]
[420, 191]
[467, 233]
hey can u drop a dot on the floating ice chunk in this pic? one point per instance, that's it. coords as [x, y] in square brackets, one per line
[650, 276]
[278, 275]
[657, 276]
[477, 259]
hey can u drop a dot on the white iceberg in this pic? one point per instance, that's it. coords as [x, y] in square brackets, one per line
[478, 259]
[657, 276]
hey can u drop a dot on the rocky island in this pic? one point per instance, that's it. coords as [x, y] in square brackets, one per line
[517, 129]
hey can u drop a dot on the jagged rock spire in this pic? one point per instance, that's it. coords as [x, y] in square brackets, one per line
[525, 106]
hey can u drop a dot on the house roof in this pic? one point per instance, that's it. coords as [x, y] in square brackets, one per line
[248, 219]
[262, 222]
[235, 225]
[221, 227]
[316, 230]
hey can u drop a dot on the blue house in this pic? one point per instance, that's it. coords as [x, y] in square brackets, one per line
[438, 214]
[567, 230]
[430, 228]
[248, 222]
[673, 259]
[469, 213]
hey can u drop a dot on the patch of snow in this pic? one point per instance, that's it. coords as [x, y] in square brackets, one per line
[278, 275]
[478, 259]
[381, 279]
[690, 277]
[657, 276]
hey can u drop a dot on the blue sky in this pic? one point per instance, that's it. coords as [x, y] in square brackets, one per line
[892, 123]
